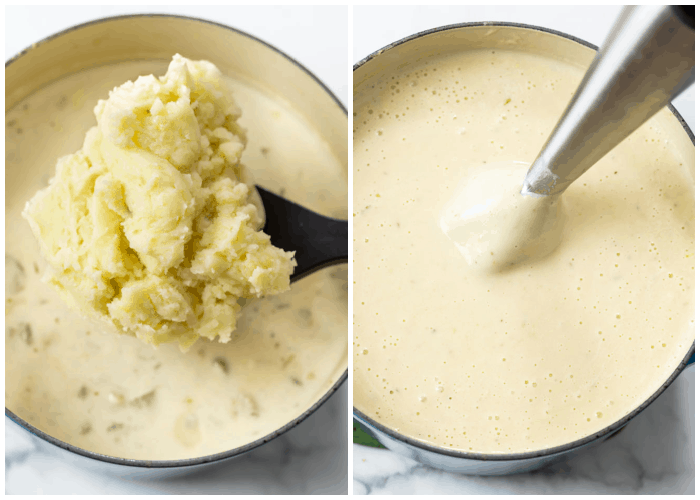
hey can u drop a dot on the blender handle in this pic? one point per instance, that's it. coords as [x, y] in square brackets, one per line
[686, 14]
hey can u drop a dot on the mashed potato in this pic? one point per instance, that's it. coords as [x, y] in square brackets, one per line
[151, 227]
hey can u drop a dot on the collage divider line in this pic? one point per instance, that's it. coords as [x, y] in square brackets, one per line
[350, 245]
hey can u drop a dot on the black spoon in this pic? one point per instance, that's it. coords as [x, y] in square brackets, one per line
[318, 241]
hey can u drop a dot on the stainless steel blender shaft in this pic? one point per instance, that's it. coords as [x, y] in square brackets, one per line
[647, 59]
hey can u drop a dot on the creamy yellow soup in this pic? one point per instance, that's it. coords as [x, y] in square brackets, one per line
[117, 396]
[538, 352]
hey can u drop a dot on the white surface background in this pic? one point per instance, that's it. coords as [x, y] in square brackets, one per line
[311, 458]
[656, 452]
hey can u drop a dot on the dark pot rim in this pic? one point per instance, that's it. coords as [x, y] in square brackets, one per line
[163, 464]
[501, 457]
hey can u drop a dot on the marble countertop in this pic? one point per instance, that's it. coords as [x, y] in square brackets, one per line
[655, 453]
[312, 458]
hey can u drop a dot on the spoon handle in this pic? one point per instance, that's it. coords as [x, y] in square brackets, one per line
[647, 59]
[317, 240]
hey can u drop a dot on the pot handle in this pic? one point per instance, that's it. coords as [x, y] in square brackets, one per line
[362, 435]
[691, 361]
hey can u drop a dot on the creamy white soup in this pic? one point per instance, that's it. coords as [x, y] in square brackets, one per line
[517, 354]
